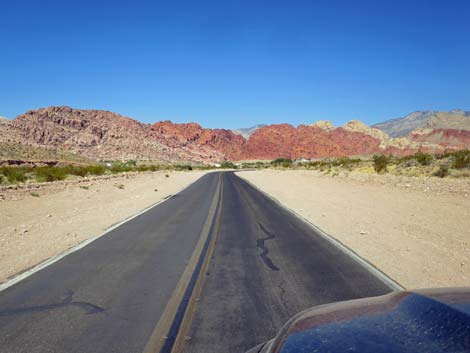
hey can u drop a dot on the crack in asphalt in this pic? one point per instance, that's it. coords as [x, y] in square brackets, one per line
[265, 251]
[89, 308]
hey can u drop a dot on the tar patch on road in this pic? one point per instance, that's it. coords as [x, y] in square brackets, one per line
[88, 308]
[260, 243]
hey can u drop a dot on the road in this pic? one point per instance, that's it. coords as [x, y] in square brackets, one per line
[259, 265]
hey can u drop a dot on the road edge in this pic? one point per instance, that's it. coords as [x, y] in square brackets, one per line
[390, 282]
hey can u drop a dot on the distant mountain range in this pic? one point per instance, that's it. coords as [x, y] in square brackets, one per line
[454, 119]
[104, 135]
[247, 132]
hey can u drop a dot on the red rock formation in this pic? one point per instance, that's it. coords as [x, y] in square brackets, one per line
[105, 135]
[102, 135]
[195, 136]
[284, 140]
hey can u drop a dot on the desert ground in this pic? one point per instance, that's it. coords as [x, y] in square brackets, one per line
[64, 214]
[416, 230]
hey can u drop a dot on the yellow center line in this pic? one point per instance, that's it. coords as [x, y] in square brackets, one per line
[159, 334]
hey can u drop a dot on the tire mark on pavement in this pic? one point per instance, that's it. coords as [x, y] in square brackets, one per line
[265, 251]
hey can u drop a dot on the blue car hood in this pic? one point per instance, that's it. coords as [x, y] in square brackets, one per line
[433, 320]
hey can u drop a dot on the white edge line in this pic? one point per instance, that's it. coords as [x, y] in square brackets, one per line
[390, 282]
[84, 243]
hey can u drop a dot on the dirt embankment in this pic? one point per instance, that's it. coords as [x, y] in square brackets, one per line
[63, 214]
[416, 230]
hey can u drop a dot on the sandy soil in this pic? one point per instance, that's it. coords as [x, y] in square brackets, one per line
[415, 230]
[33, 229]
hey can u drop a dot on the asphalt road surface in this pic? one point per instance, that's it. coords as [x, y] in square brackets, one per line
[264, 266]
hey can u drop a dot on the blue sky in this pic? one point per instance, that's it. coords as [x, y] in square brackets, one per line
[236, 63]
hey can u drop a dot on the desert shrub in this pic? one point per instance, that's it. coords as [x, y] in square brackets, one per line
[227, 165]
[15, 175]
[344, 161]
[314, 164]
[35, 194]
[120, 168]
[283, 162]
[407, 161]
[423, 158]
[444, 155]
[50, 174]
[147, 168]
[380, 163]
[203, 167]
[96, 169]
[405, 158]
[183, 167]
[257, 165]
[442, 172]
[142, 168]
[461, 159]
[77, 170]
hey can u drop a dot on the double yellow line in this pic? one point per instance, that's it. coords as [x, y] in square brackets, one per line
[172, 328]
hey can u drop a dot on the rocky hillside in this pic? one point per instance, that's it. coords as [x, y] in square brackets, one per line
[215, 143]
[321, 140]
[100, 135]
[455, 119]
[103, 135]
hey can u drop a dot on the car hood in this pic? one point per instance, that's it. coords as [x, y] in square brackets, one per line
[432, 320]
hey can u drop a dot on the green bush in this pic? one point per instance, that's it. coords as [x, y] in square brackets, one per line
[344, 161]
[146, 168]
[442, 172]
[183, 167]
[283, 162]
[142, 168]
[77, 170]
[50, 174]
[314, 164]
[18, 176]
[380, 163]
[15, 175]
[405, 158]
[461, 159]
[423, 158]
[96, 169]
[444, 155]
[228, 165]
[120, 168]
